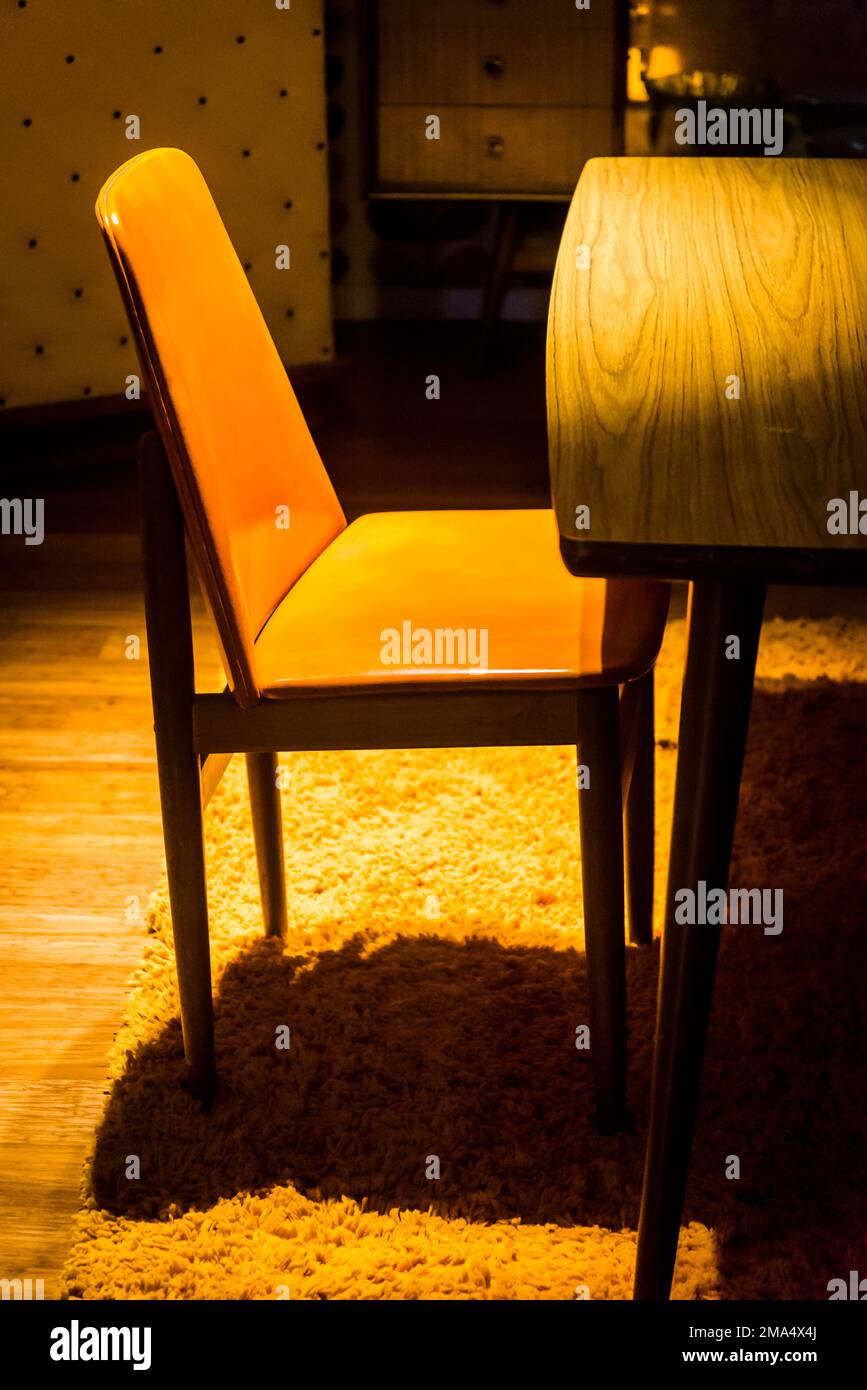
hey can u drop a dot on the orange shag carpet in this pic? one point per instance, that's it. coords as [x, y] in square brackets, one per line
[432, 982]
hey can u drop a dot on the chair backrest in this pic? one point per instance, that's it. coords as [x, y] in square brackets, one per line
[236, 439]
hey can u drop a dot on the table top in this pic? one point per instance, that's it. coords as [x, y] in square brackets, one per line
[707, 369]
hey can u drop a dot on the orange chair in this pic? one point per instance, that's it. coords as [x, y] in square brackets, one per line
[401, 630]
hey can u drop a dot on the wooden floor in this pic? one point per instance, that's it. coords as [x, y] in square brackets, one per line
[80, 838]
[80, 851]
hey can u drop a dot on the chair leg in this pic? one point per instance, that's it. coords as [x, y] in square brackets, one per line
[602, 870]
[637, 769]
[170, 649]
[268, 834]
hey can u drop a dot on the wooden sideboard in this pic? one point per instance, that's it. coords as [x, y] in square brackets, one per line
[525, 92]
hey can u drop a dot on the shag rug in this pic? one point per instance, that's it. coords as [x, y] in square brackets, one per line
[432, 982]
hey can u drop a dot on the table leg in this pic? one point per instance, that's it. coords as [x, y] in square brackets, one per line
[715, 713]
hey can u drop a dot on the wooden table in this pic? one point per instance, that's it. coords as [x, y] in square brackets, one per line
[707, 359]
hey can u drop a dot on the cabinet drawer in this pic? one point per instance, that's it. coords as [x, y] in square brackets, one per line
[569, 66]
[490, 149]
[505, 14]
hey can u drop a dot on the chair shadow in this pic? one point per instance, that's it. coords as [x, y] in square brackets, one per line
[466, 1050]
[463, 1050]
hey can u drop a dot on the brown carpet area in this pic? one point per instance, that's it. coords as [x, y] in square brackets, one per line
[433, 979]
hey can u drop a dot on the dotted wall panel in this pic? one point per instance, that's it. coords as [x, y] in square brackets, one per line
[239, 85]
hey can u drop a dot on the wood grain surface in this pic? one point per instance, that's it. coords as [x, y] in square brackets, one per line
[80, 851]
[702, 269]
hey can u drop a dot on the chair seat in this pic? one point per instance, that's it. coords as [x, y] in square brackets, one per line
[453, 599]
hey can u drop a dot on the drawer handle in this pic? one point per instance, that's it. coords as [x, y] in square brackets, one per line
[494, 65]
[496, 146]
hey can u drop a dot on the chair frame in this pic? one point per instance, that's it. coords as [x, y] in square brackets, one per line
[197, 734]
